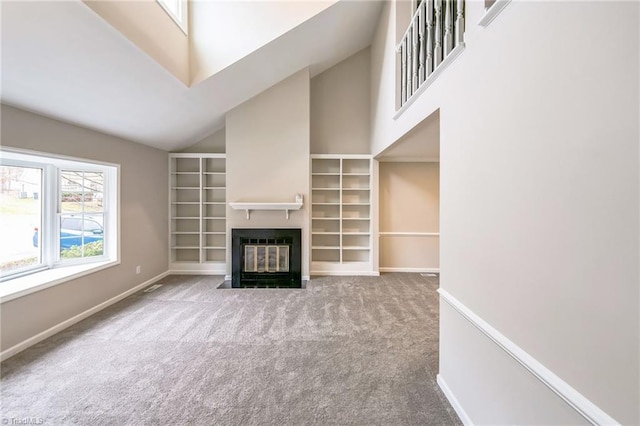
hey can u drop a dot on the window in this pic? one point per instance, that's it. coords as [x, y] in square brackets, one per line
[177, 10]
[55, 212]
[20, 217]
[82, 214]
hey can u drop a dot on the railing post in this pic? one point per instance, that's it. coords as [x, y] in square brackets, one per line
[438, 34]
[403, 67]
[448, 27]
[422, 74]
[409, 62]
[459, 22]
[429, 37]
[414, 43]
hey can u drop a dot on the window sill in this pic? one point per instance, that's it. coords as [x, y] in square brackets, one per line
[32, 283]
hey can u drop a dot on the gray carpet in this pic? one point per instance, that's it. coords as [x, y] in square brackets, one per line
[343, 351]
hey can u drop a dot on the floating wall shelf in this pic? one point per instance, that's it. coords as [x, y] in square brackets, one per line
[250, 206]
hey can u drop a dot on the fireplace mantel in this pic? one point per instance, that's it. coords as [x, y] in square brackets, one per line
[250, 206]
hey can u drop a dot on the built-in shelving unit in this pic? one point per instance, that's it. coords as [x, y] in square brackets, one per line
[341, 214]
[198, 240]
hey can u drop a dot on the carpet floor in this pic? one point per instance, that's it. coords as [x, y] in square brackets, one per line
[343, 351]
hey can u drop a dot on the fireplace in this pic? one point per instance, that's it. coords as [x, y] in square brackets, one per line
[268, 258]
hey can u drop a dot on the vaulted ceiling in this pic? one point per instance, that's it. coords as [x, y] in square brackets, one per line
[60, 59]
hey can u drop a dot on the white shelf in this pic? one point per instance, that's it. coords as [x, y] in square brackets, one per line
[197, 185]
[341, 188]
[251, 206]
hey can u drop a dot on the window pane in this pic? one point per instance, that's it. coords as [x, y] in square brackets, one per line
[81, 191]
[81, 236]
[82, 221]
[20, 217]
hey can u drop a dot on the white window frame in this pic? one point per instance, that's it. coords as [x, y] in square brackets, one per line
[53, 270]
[181, 15]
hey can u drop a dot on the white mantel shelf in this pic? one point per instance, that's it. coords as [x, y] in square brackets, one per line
[249, 206]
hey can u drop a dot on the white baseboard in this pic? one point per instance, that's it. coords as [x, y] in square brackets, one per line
[174, 271]
[587, 409]
[413, 270]
[464, 417]
[345, 273]
[76, 319]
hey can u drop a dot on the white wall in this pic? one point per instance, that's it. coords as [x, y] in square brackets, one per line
[340, 107]
[143, 222]
[539, 199]
[149, 26]
[223, 32]
[268, 157]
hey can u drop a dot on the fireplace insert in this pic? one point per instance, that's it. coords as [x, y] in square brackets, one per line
[266, 258]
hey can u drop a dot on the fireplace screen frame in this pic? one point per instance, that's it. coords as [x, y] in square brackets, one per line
[241, 237]
[268, 258]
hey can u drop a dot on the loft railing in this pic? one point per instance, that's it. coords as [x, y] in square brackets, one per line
[435, 30]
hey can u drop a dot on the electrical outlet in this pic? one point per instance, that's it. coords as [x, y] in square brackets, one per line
[138, 269]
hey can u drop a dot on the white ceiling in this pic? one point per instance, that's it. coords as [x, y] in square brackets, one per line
[62, 60]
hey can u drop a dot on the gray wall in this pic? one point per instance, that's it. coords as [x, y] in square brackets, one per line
[268, 157]
[539, 201]
[340, 107]
[409, 202]
[214, 144]
[143, 222]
